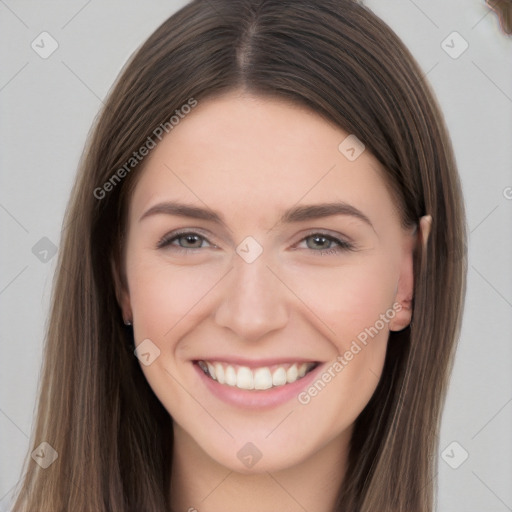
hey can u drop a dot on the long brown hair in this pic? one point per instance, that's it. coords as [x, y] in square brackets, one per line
[112, 435]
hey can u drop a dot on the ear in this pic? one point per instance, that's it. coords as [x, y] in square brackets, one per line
[405, 287]
[121, 289]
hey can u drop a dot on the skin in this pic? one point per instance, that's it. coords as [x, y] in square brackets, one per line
[250, 159]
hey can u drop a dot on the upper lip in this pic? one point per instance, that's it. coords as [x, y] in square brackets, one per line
[255, 363]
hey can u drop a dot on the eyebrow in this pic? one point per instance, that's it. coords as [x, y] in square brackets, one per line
[292, 215]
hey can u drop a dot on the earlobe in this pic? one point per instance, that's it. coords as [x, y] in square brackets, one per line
[405, 287]
[403, 315]
[404, 294]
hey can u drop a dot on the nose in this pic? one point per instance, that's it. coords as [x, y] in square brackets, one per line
[253, 300]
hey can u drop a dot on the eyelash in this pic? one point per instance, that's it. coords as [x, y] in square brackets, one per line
[165, 241]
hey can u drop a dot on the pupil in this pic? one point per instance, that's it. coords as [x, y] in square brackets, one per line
[191, 239]
[316, 238]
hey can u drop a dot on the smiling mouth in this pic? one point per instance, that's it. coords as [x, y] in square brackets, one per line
[264, 377]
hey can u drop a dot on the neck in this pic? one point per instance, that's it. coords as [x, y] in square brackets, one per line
[199, 483]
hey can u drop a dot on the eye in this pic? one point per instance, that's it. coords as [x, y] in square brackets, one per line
[321, 243]
[190, 241]
[187, 241]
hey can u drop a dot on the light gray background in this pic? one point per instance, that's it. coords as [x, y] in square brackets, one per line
[47, 107]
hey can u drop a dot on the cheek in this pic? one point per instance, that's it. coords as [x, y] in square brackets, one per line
[164, 295]
[166, 300]
[349, 299]
[356, 304]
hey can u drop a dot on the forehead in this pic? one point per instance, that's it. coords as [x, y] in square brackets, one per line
[244, 154]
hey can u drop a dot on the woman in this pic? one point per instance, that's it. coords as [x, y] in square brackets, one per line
[298, 353]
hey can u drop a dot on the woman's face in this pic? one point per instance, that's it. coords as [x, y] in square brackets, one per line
[235, 268]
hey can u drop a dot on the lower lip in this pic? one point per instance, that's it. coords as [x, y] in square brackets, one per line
[257, 399]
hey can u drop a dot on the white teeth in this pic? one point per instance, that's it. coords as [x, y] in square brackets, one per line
[279, 377]
[260, 378]
[230, 376]
[211, 369]
[245, 379]
[219, 372]
[292, 374]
